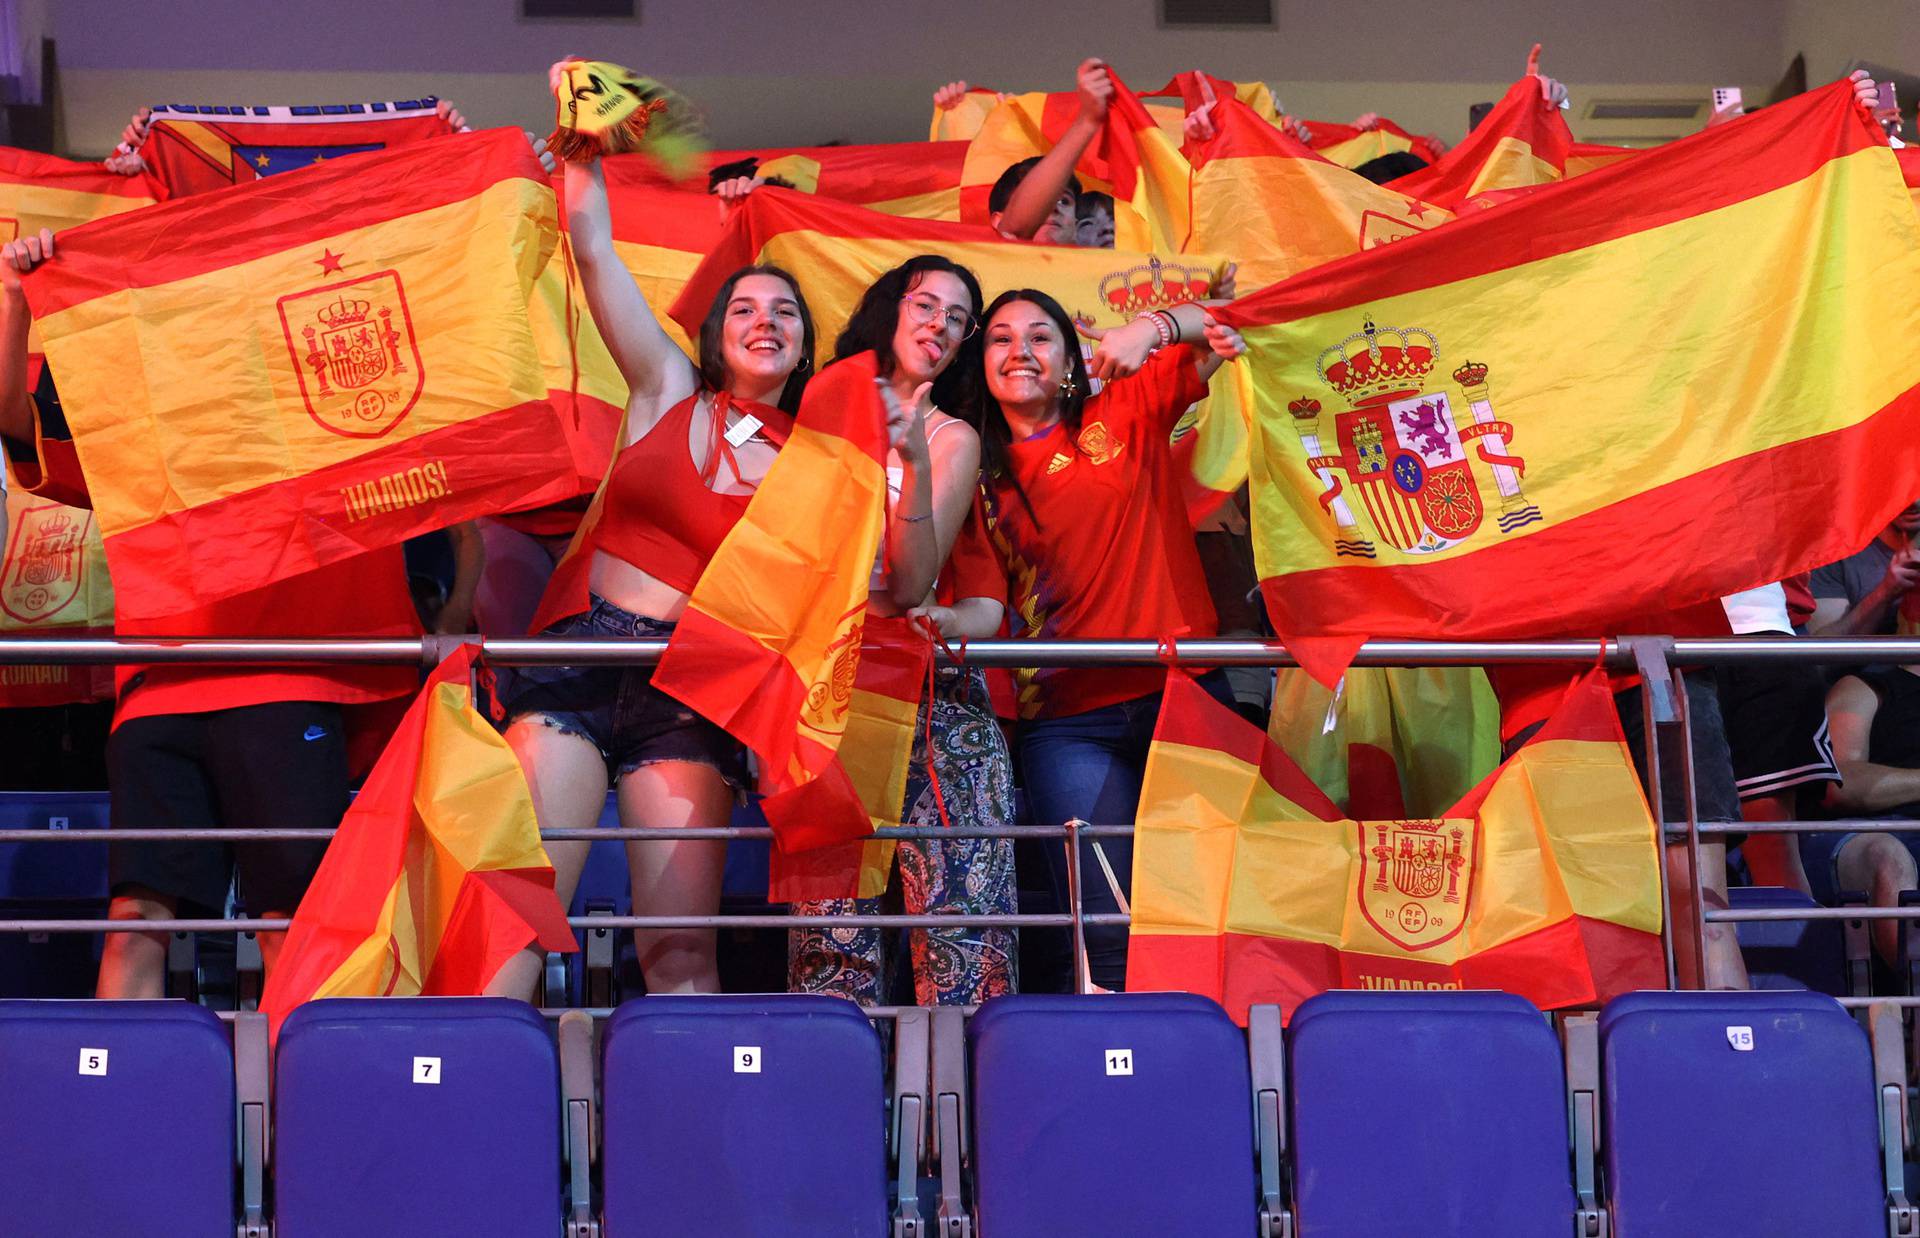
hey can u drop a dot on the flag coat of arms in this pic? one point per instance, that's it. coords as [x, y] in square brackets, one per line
[307, 367]
[1648, 387]
[1249, 886]
[53, 583]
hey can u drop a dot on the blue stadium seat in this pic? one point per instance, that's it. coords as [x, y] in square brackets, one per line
[407, 1116]
[1739, 1113]
[744, 1115]
[1789, 954]
[1122, 1114]
[116, 1120]
[1473, 1081]
[58, 870]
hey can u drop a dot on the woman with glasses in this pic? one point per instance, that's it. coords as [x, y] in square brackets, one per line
[1084, 508]
[921, 320]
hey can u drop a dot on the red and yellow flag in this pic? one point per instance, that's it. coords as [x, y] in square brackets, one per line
[1523, 141]
[962, 122]
[1639, 390]
[1350, 147]
[307, 367]
[1584, 157]
[919, 179]
[768, 647]
[196, 149]
[53, 583]
[1249, 886]
[436, 877]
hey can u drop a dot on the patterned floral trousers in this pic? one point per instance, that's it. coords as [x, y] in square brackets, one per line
[962, 876]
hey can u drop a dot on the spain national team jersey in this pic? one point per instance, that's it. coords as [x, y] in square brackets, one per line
[1106, 550]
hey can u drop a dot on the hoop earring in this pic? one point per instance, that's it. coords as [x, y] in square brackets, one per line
[806, 363]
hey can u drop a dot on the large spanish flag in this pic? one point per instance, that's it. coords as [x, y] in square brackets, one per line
[1350, 146]
[436, 877]
[53, 583]
[962, 122]
[1682, 376]
[306, 367]
[920, 179]
[194, 149]
[768, 647]
[1523, 141]
[1250, 887]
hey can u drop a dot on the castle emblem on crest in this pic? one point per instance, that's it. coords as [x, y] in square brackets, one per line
[1416, 879]
[354, 351]
[45, 561]
[1402, 448]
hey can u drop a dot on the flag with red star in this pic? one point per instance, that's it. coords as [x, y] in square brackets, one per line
[192, 149]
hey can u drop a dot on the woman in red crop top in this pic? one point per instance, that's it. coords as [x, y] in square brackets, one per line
[1083, 499]
[698, 437]
[921, 320]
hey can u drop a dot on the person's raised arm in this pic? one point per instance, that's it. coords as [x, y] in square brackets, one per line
[1867, 617]
[1123, 350]
[1032, 202]
[16, 259]
[936, 496]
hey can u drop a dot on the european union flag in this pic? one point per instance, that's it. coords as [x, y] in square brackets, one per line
[267, 160]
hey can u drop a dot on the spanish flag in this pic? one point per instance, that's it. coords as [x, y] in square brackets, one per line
[195, 149]
[1523, 141]
[1643, 389]
[1584, 157]
[306, 367]
[918, 179]
[962, 122]
[436, 877]
[1350, 147]
[53, 583]
[1909, 157]
[1250, 887]
[768, 647]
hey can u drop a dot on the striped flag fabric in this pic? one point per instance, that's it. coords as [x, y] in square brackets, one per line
[436, 876]
[1523, 141]
[1350, 146]
[195, 149]
[1646, 388]
[1250, 887]
[307, 367]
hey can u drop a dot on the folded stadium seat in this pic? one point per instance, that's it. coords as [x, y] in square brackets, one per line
[1471, 1080]
[743, 1115]
[51, 881]
[1114, 1115]
[1747, 1114]
[421, 1115]
[116, 1120]
[1789, 954]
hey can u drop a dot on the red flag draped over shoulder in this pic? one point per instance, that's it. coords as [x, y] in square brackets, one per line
[1249, 887]
[307, 367]
[1639, 390]
[1523, 141]
[436, 877]
[192, 150]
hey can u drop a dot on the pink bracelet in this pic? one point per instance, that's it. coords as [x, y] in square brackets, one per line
[1160, 324]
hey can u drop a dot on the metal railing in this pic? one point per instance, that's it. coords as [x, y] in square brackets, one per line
[1658, 660]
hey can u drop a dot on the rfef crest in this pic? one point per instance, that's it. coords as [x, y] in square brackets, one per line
[1416, 878]
[46, 558]
[354, 351]
[1404, 446]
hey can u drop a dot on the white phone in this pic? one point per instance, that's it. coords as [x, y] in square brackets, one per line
[1726, 99]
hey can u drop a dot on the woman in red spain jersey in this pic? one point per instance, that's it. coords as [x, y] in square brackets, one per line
[1083, 503]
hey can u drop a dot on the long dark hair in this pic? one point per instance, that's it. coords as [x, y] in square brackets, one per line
[714, 375]
[990, 421]
[877, 317]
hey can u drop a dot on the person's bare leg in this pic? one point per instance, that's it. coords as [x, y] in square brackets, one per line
[134, 965]
[1725, 968]
[677, 878]
[568, 779]
[1774, 859]
[1881, 866]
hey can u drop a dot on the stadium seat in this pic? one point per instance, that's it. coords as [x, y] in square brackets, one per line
[1789, 954]
[1473, 1081]
[51, 881]
[397, 1117]
[1739, 1113]
[744, 1115]
[116, 1120]
[1117, 1115]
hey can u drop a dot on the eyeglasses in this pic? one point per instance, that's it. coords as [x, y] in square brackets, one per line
[924, 309]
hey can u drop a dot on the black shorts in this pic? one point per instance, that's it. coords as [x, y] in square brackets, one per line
[1714, 796]
[282, 764]
[1776, 716]
[617, 709]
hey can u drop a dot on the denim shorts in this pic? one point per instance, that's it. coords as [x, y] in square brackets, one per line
[617, 709]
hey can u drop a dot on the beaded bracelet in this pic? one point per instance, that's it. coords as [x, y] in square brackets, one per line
[1160, 324]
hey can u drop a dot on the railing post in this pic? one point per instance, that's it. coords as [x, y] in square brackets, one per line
[1657, 711]
[1076, 909]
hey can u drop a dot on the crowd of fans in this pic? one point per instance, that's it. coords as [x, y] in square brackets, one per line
[1032, 489]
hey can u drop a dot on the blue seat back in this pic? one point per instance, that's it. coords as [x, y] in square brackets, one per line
[116, 1120]
[1122, 1114]
[407, 1116]
[744, 1115]
[1790, 954]
[63, 870]
[1471, 1080]
[1701, 1136]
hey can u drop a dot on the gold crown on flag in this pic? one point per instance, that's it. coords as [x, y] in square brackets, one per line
[1155, 285]
[1393, 362]
[1305, 408]
[344, 313]
[1424, 827]
[1472, 374]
